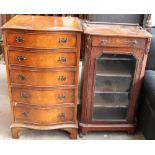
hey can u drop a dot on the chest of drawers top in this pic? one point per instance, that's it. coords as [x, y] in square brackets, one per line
[42, 32]
[43, 23]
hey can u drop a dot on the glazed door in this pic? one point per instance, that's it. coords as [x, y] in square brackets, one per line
[113, 80]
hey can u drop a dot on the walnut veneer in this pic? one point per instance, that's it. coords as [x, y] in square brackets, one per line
[42, 61]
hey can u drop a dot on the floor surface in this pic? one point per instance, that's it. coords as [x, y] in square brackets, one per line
[46, 135]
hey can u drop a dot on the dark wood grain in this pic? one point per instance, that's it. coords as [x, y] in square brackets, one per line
[113, 39]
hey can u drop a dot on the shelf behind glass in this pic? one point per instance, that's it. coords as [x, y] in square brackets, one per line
[113, 68]
[112, 84]
[111, 99]
[109, 114]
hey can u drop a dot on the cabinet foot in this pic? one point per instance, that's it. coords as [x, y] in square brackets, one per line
[72, 132]
[81, 134]
[15, 132]
[131, 131]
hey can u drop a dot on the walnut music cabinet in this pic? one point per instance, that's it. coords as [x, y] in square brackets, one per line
[42, 61]
[114, 64]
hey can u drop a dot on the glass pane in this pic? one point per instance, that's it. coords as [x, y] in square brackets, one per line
[114, 84]
[114, 76]
[111, 99]
[104, 113]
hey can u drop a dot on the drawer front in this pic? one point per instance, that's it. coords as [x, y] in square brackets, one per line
[42, 59]
[43, 96]
[118, 42]
[43, 115]
[42, 78]
[41, 40]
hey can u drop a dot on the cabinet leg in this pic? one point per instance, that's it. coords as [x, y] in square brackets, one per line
[131, 131]
[15, 132]
[82, 133]
[72, 132]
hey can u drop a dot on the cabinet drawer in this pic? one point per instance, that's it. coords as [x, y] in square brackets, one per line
[42, 77]
[41, 40]
[43, 96]
[43, 115]
[42, 59]
[118, 42]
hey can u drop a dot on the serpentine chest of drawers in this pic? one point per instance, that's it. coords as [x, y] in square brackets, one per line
[42, 60]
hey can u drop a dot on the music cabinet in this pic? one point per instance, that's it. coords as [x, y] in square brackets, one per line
[42, 62]
[114, 64]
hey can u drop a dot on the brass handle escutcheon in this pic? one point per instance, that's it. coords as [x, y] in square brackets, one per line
[61, 96]
[21, 77]
[62, 78]
[62, 59]
[62, 115]
[21, 58]
[62, 40]
[25, 114]
[24, 95]
[19, 39]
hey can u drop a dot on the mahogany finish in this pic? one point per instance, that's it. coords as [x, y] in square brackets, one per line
[111, 39]
[42, 62]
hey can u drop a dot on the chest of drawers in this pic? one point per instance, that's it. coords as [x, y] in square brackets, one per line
[114, 64]
[42, 60]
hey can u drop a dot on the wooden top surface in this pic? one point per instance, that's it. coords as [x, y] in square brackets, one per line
[115, 30]
[43, 23]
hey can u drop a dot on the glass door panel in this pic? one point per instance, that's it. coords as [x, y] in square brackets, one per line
[114, 76]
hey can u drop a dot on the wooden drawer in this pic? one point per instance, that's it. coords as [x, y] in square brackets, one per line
[41, 40]
[42, 77]
[43, 115]
[43, 96]
[42, 59]
[118, 42]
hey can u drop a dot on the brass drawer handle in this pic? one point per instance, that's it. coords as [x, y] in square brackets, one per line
[21, 77]
[19, 39]
[25, 114]
[62, 59]
[24, 95]
[21, 58]
[62, 40]
[62, 78]
[61, 115]
[61, 96]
